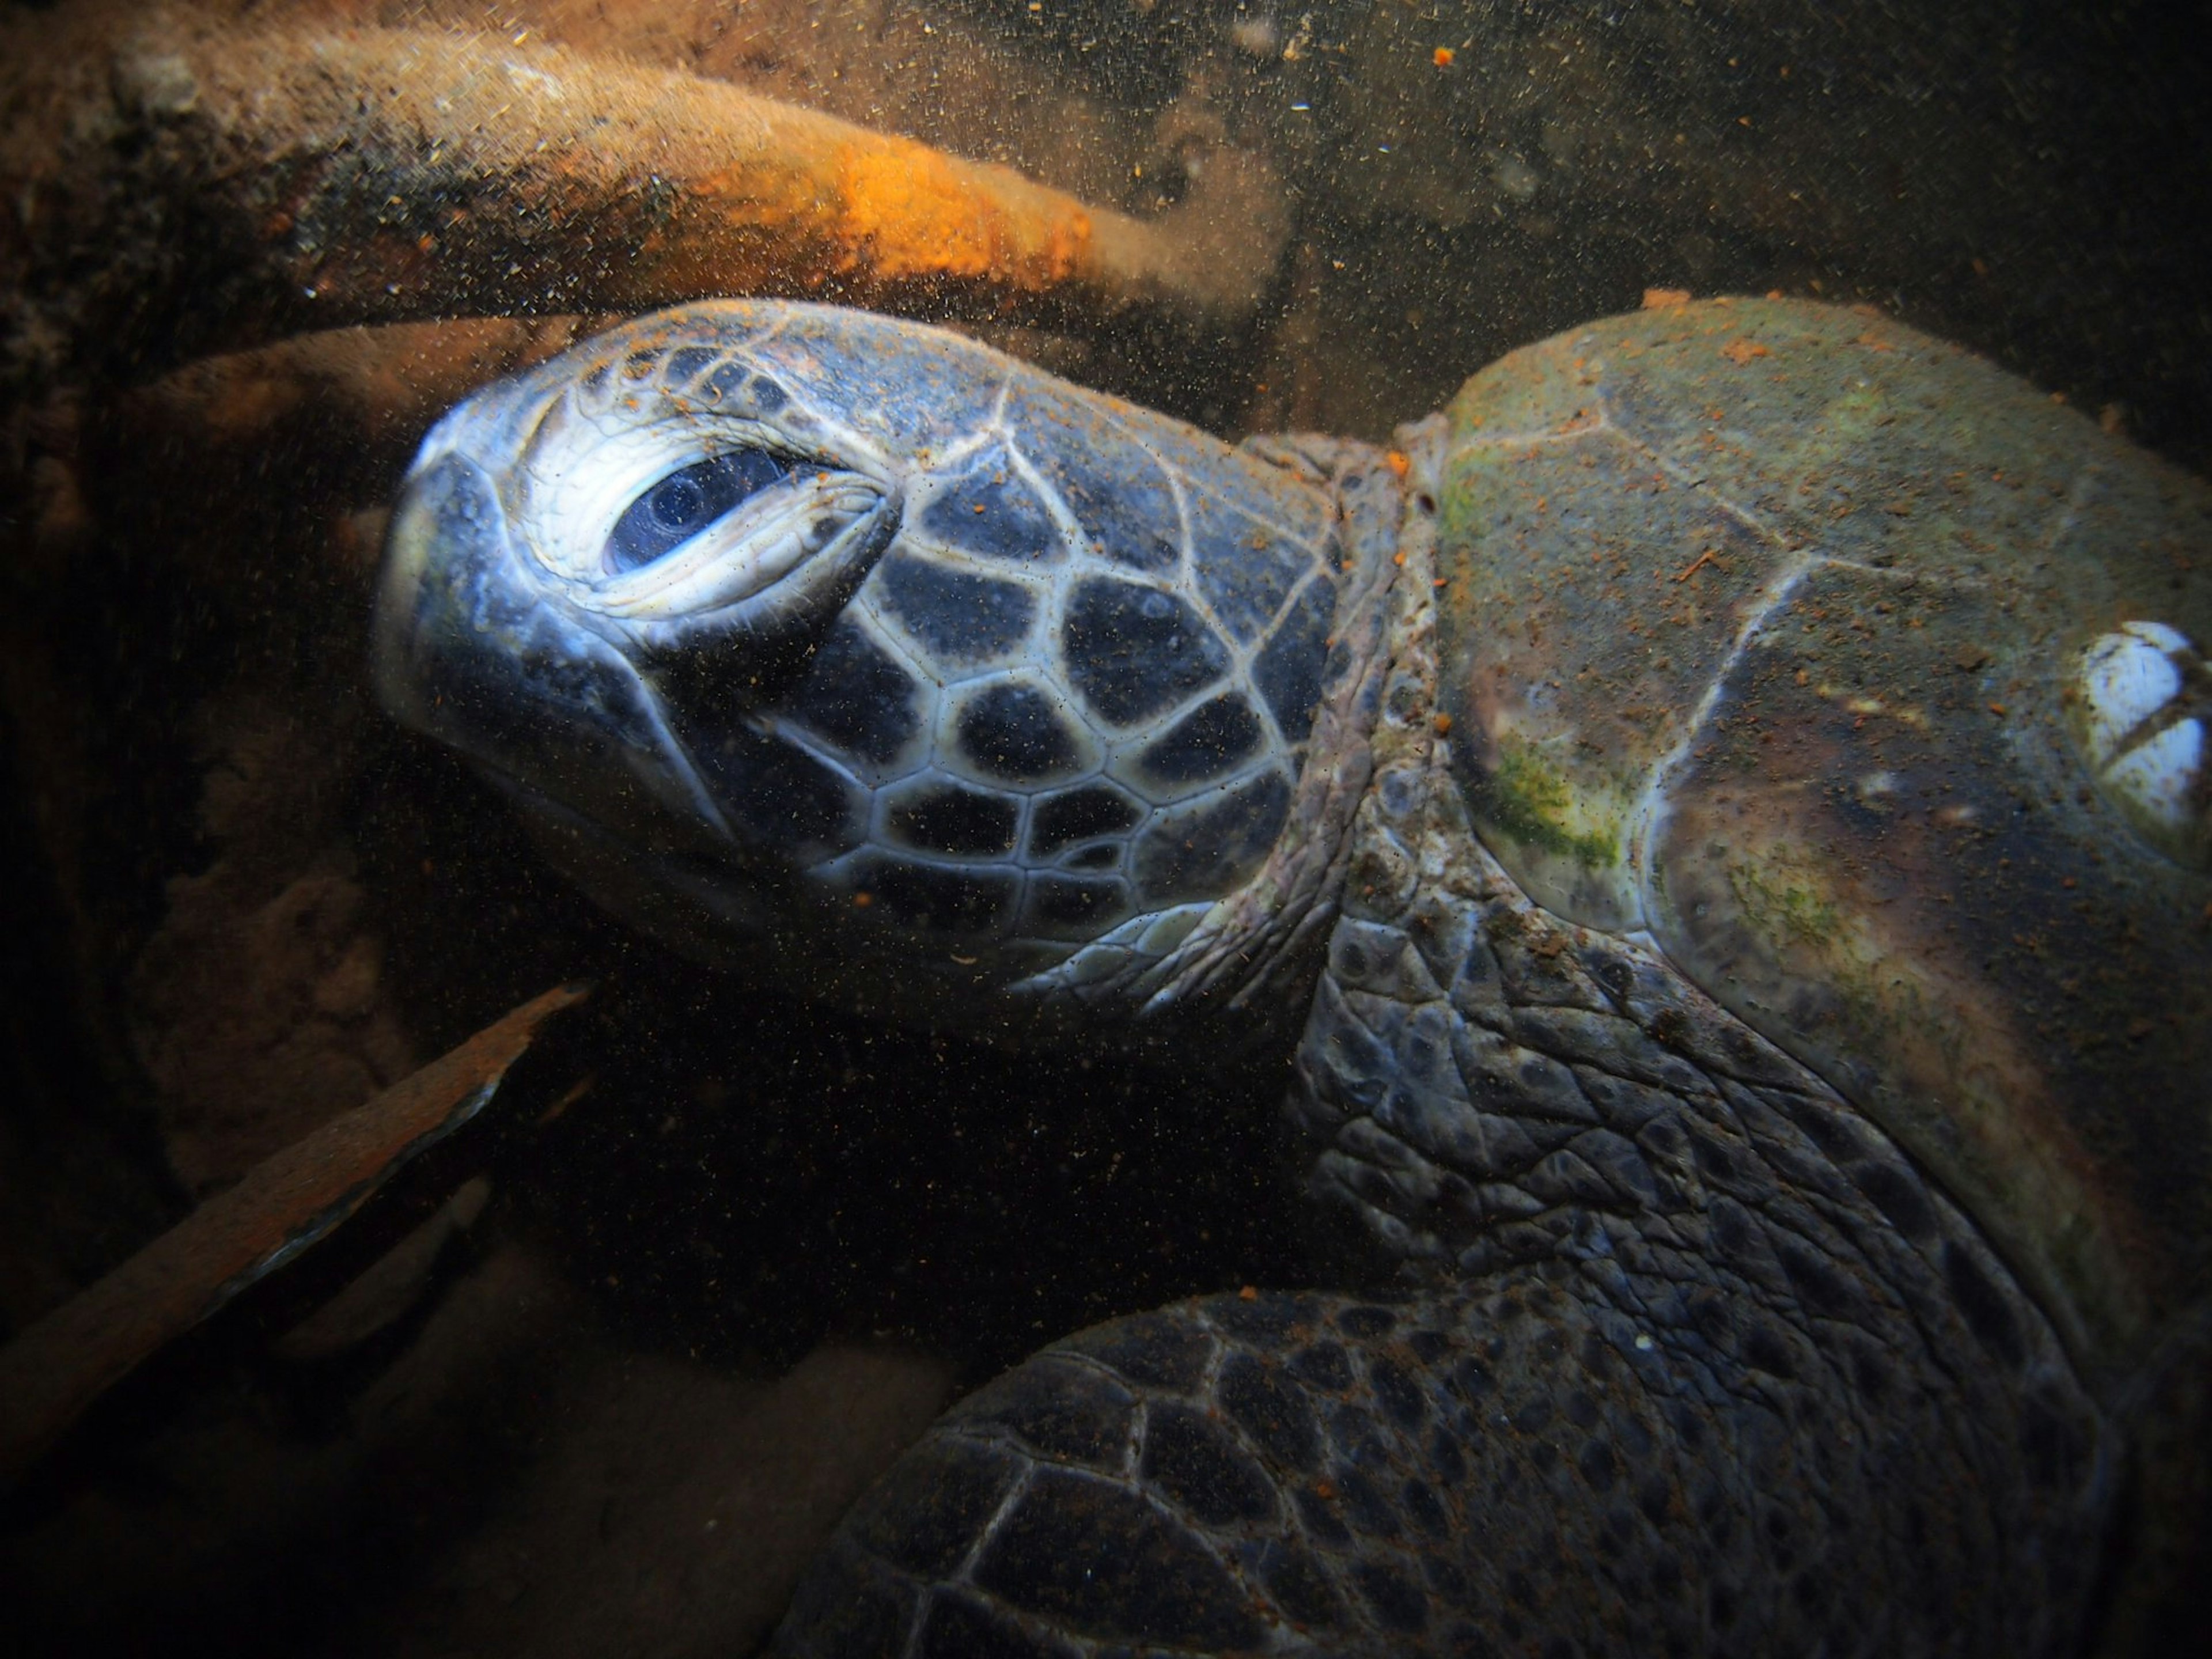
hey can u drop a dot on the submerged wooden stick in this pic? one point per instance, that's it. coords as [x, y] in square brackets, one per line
[63, 1362]
[278, 179]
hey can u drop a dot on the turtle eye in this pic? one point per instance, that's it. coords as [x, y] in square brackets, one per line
[679, 506]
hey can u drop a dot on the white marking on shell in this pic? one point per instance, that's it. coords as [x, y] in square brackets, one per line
[2157, 775]
[2145, 742]
[2128, 676]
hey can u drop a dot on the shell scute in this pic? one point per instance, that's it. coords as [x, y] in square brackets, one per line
[1608, 596]
[1847, 433]
[1895, 876]
[1924, 809]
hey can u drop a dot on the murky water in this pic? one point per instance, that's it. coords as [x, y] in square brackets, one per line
[631, 1342]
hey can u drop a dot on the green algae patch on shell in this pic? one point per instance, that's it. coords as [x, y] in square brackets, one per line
[1768, 628]
[1591, 597]
[1539, 805]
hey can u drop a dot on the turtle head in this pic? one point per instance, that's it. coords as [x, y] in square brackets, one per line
[597, 575]
[853, 650]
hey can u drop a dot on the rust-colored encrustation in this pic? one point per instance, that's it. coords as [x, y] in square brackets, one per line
[211, 184]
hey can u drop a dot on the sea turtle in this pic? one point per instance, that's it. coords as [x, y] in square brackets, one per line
[1722, 816]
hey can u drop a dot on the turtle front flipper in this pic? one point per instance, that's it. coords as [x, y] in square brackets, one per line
[1571, 1457]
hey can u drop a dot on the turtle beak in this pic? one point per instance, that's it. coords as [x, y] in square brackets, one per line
[447, 517]
[468, 650]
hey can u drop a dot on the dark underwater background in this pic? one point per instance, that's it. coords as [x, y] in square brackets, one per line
[629, 1342]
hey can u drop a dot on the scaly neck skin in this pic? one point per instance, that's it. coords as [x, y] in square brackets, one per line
[1251, 960]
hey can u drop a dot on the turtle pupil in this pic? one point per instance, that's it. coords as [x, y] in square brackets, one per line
[686, 501]
[676, 503]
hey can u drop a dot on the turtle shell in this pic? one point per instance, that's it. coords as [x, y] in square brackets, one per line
[1867, 681]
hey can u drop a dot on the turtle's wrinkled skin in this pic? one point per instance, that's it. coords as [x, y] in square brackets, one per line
[1723, 818]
